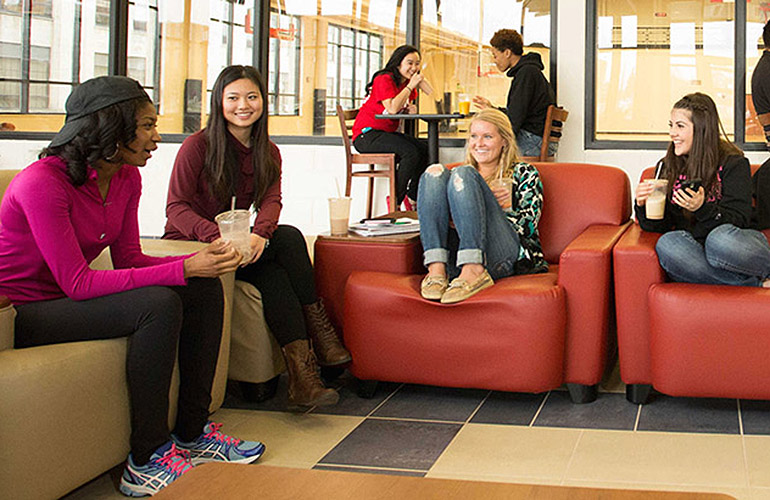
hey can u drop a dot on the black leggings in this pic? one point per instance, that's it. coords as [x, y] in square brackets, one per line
[283, 275]
[155, 319]
[411, 153]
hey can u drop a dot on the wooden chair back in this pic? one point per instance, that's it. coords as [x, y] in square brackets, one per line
[346, 119]
[552, 132]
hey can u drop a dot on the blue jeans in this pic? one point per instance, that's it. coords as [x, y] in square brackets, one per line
[483, 234]
[729, 256]
[530, 144]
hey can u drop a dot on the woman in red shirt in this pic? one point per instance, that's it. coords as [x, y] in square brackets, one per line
[392, 91]
[233, 157]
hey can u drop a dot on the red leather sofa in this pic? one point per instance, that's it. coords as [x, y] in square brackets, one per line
[527, 333]
[684, 339]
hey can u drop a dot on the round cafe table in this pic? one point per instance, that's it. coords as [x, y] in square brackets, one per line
[432, 120]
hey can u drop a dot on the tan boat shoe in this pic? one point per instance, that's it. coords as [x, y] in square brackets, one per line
[433, 287]
[460, 289]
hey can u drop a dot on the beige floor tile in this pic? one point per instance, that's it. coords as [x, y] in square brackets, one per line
[292, 440]
[500, 452]
[737, 493]
[664, 458]
[101, 488]
[760, 493]
[758, 458]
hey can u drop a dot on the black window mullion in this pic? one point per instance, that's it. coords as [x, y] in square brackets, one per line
[118, 59]
[590, 72]
[26, 50]
[740, 74]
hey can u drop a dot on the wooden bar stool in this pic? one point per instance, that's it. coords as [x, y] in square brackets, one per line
[346, 118]
[554, 121]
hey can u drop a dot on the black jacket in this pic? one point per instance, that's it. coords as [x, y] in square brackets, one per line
[529, 96]
[731, 206]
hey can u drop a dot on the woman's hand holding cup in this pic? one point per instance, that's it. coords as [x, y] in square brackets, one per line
[215, 259]
[257, 244]
[481, 102]
[643, 191]
[415, 80]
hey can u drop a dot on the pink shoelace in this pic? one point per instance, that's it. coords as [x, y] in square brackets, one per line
[176, 461]
[214, 433]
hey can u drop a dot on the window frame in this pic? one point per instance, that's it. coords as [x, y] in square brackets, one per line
[739, 95]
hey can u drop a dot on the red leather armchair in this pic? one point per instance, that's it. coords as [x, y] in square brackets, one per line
[528, 333]
[685, 339]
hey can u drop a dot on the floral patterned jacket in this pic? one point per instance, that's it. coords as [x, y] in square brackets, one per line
[524, 216]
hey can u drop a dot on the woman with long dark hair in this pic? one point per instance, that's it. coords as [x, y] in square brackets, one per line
[708, 203]
[57, 215]
[233, 157]
[392, 90]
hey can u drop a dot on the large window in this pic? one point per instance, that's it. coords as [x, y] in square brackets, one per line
[352, 58]
[284, 61]
[646, 56]
[456, 54]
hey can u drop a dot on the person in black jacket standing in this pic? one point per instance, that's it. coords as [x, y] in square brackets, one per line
[760, 94]
[530, 93]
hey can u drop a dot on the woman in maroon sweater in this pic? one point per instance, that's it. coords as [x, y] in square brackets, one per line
[233, 156]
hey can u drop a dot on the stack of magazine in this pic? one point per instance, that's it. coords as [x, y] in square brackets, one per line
[385, 227]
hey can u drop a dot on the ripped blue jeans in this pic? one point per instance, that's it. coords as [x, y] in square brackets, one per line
[483, 234]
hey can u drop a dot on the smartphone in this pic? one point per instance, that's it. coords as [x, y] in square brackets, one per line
[693, 184]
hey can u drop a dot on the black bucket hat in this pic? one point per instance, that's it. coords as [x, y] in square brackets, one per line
[91, 96]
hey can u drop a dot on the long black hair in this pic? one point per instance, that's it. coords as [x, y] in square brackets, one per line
[392, 65]
[221, 156]
[710, 145]
[99, 138]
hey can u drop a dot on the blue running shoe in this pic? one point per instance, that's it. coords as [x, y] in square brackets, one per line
[213, 446]
[166, 465]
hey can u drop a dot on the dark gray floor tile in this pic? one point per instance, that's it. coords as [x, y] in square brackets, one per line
[512, 408]
[388, 472]
[666, 413]
[609, 411]
[234, 398]
[432, 403]
[756, 416]
[393, 443]
[350, 403]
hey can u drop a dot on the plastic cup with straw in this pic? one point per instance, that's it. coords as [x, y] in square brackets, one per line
[655, 205]
[339, 212]
[504, 182]
[234, 227]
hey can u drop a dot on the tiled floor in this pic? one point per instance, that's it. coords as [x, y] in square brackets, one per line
[670, 444]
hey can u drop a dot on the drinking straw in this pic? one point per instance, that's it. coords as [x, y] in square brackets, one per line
[658, 168]
[232, 204]
[337, 183]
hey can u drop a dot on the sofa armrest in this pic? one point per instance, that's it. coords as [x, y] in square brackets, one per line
[7, 317]
[585, 274]
[636, 268]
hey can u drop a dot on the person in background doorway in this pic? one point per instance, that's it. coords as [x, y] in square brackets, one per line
[530, 93]
[760, 94]
[392, 91]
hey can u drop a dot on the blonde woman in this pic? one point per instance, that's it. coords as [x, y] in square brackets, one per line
[471, 231]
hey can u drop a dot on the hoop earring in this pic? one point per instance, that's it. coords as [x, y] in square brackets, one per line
[113, 155]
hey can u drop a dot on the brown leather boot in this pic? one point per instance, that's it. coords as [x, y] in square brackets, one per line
[305, 386]
[326, 343]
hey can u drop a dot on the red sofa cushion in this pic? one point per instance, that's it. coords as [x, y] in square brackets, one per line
[510, 337]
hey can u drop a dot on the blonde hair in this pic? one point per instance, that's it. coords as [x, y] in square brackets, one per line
[510, 153]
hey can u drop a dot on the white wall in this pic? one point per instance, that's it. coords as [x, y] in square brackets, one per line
[309, 172]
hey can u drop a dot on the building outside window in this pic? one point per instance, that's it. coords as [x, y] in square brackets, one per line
[284, 61]
[352, 58]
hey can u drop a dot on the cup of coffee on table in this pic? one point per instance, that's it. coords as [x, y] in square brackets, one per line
[234, 226]
[655, 206]
[339, 215]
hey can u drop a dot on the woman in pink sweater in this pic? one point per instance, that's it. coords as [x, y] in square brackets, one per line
[57, 215]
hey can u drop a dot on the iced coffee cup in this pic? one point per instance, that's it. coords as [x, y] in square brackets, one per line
[234, 227]
[507, 183]
[655, 206]
[339, 214]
